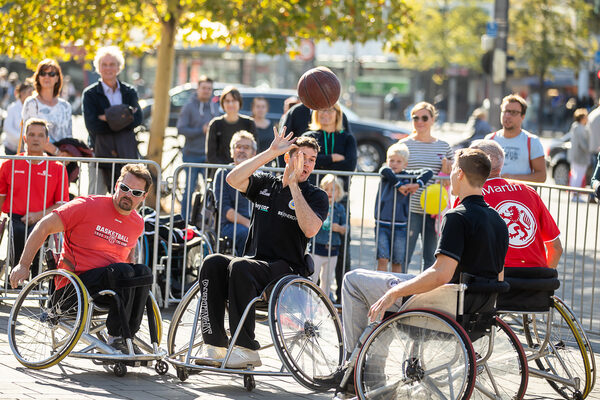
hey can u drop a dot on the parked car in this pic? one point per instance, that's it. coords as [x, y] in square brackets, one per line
[373, 137]
[557, 162]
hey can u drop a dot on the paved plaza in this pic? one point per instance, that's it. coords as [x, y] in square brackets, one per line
[81, 379]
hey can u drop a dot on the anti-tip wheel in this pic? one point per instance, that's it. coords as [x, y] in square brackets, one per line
[161, 367]
[182, 374]
[249, 382]
[120, 369]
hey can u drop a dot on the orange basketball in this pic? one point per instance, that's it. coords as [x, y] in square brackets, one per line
[319, 88]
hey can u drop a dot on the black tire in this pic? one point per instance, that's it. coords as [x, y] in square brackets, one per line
[560, 173]
[306, 331]
[182, 374]
[370, 156]
[120, 370]
[161, 367]
[416, 354]
[249, 382]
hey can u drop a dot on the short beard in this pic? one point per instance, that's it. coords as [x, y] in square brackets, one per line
[125, 206]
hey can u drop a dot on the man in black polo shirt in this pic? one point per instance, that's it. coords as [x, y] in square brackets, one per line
[474, 239]
[287, 212]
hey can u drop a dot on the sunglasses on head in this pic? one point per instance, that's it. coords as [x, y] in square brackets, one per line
[135, 192]
[424, 118]
[51, 74]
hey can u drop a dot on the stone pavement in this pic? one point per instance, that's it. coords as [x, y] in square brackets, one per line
[81, 379]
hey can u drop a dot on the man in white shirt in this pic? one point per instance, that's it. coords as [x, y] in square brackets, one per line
[524, 151]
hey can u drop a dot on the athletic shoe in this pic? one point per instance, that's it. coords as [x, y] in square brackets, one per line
[242, 357]
[211, 355]
[121, 345]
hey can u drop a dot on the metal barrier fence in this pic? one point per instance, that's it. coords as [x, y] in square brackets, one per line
[175, 253]
[85, 176]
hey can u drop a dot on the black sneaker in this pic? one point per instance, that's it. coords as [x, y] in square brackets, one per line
[332, 380]
[121, 345]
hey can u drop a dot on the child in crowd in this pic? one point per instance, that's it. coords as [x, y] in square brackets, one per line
[329, 238]
[392, 202]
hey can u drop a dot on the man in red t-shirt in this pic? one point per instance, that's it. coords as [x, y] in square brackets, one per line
[100, 233]
[534, 238]
[31, 189]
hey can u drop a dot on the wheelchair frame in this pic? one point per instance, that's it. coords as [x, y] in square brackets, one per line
[85, 325]
[306, 331]
[541, 348]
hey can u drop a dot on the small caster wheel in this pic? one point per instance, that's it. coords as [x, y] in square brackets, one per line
[161, 367]
[120, 370]
[577, 395]
[249, 382]
[182, 374]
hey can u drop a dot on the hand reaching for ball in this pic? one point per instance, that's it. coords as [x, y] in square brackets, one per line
[282, 143]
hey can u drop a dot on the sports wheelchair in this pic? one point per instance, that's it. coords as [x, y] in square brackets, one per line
[304, 327]
[46, 325]
[556, 345]
[432, 348]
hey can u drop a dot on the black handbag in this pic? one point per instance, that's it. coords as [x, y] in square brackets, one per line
[119, 117]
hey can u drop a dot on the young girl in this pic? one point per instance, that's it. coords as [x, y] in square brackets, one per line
[329, 238]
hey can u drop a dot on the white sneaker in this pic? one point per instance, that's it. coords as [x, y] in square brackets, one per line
[242, 357]
[211, 355]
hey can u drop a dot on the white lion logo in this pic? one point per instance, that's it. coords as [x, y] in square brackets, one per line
[520, 222]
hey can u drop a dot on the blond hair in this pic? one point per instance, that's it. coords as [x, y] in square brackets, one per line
[315, 125]
[329, 179]
[400, 149]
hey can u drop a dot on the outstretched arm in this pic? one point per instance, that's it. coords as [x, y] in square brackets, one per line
[239, 177]
[50, 224]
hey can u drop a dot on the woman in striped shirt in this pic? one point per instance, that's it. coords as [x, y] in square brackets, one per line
[426, 151]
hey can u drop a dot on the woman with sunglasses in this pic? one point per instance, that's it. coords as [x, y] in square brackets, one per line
[47, 105]
[426, 151]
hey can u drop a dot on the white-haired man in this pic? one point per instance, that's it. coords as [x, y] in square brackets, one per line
[98, 97]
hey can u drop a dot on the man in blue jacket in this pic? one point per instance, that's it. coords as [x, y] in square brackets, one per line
[193, 124]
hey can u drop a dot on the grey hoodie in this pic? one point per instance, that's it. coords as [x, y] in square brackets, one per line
[192, 118]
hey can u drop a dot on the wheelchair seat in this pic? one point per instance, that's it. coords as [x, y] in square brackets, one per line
[531, 289]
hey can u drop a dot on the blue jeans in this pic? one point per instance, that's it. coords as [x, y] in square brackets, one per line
[384, 244]
[193, 181]
[241, 233]
[428, 238]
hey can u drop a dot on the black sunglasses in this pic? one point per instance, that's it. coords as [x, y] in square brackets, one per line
[51, 74]
[424, 118]
[136, 192]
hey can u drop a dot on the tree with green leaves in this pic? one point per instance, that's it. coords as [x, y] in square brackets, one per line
[52, 28]
[446, 34]
[549, 34]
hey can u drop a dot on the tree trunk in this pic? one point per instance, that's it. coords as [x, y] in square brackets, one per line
[540, 111]
[162, 84]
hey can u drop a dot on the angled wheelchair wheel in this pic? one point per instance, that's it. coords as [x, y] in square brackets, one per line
[416, 354]
[501, 373]
[45, 324]
[152, 320]
[306, 331]
[568, 355]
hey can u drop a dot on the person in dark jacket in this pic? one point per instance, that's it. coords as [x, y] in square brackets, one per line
[392, 206]
[338, 147]
[99, 96]
[221, 129]
[297, 120]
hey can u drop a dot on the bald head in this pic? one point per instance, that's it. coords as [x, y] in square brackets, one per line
[494, 151]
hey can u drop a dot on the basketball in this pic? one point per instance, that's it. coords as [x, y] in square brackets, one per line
[319, 88]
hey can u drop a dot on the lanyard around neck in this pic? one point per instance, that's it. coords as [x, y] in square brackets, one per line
[332, 141]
